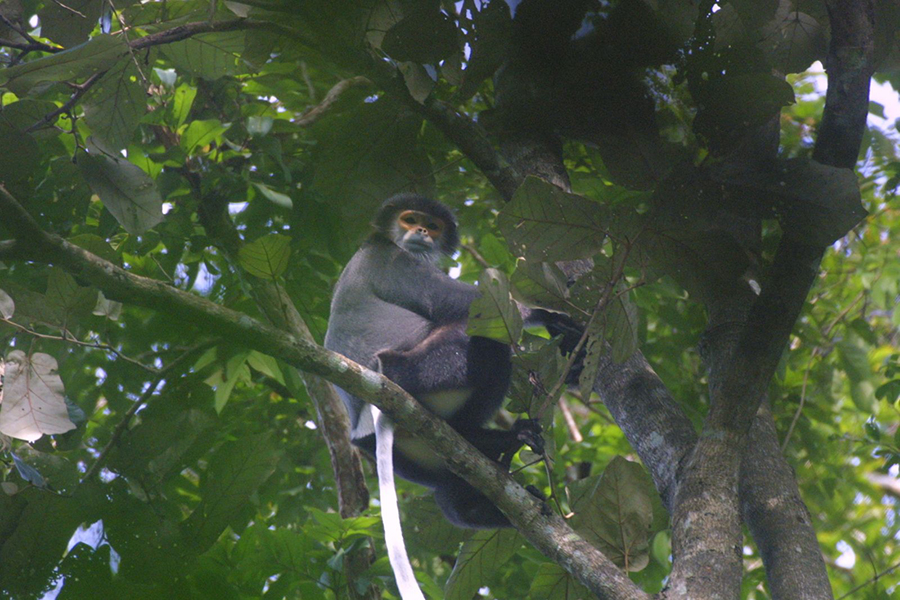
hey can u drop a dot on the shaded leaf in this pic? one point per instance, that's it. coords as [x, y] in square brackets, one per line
[552, 582]
[494, 314]
[816, 203]
[794, 42]
[71, 299]
[267, 257]
[126, 191]
[96, 245]
[70, 22]
[33, 403]
[615, 513]
[208, 55]
[545, 224]
[540, 284]
[369, 154]
[482, 553]
[114, 107]
[425, 35]
[97, 54]
[235, 471]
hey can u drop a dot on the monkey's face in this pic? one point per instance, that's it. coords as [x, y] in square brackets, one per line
[419, 233]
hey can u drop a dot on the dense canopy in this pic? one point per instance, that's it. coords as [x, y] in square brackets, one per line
[182, 181]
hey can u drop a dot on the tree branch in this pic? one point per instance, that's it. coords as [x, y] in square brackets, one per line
[550, 534]
[707, 498]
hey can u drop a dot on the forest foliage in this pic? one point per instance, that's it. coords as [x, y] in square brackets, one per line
[220, 146]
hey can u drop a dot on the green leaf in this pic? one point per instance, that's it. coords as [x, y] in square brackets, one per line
[615, 513]
[277, 198]
[16, 167]
[235, 370]
[98, 54]
[816, 203]
[201, 133]
[267, 257]
[182, 101]
[552, 582]
[126, 191]
[483, 553]
[622, 327]
[426, 35]
[208, 55]
[495, 315]
[71, 299]
[96, 245]
[540, 284]
[367, 155]
[545, 224]
[114, 107]
[71, 22]
[235, 472]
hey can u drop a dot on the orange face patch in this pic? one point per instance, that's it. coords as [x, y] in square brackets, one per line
[413, 220]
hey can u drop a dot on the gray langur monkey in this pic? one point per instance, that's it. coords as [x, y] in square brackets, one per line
[396, 312]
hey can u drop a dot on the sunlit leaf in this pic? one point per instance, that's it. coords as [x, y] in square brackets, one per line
[33, 402]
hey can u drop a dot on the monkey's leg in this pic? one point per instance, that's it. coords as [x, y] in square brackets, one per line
[439, 362]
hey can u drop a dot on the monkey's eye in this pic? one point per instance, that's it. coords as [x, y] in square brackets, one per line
[409, 220]
[433, 226]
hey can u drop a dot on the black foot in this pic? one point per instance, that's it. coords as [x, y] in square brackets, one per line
[545, 508]
[528, 431]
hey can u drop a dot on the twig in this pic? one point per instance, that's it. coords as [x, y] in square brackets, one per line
[70, 9]
[92, 345]
[80, 90]
[316, 112]
[870, 581]
[476, 255]
[30, 46]
[566, 411]
[145, 397]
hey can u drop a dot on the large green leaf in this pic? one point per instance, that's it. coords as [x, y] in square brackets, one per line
[545, 224]
[614, 512]
[483, 552]
[210, 55]
[113, 108]
[495, 314]
[266, 257]
[235, 472]
[126, 191]
[98, 54]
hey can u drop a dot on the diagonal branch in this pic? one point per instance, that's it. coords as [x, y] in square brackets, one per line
[708, 495]
[550, 534]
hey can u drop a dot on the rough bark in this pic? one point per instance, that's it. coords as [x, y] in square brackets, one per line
[770, 500]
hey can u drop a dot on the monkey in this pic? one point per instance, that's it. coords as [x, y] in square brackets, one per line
[394, 311]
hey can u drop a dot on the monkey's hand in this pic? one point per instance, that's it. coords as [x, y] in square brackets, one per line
[528, 432]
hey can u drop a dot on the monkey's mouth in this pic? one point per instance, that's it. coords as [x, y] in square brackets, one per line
[419, 244]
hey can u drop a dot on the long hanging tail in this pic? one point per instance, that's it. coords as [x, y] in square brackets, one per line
[390, 511]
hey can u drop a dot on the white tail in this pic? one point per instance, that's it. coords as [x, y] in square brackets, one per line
[390, 511]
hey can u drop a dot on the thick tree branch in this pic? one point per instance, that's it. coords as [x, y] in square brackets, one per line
[550, 534]
[849, 65]
[709, 564]
[467, 135]
[183, 32]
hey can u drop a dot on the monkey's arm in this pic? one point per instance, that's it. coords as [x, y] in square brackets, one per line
[418, 286]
